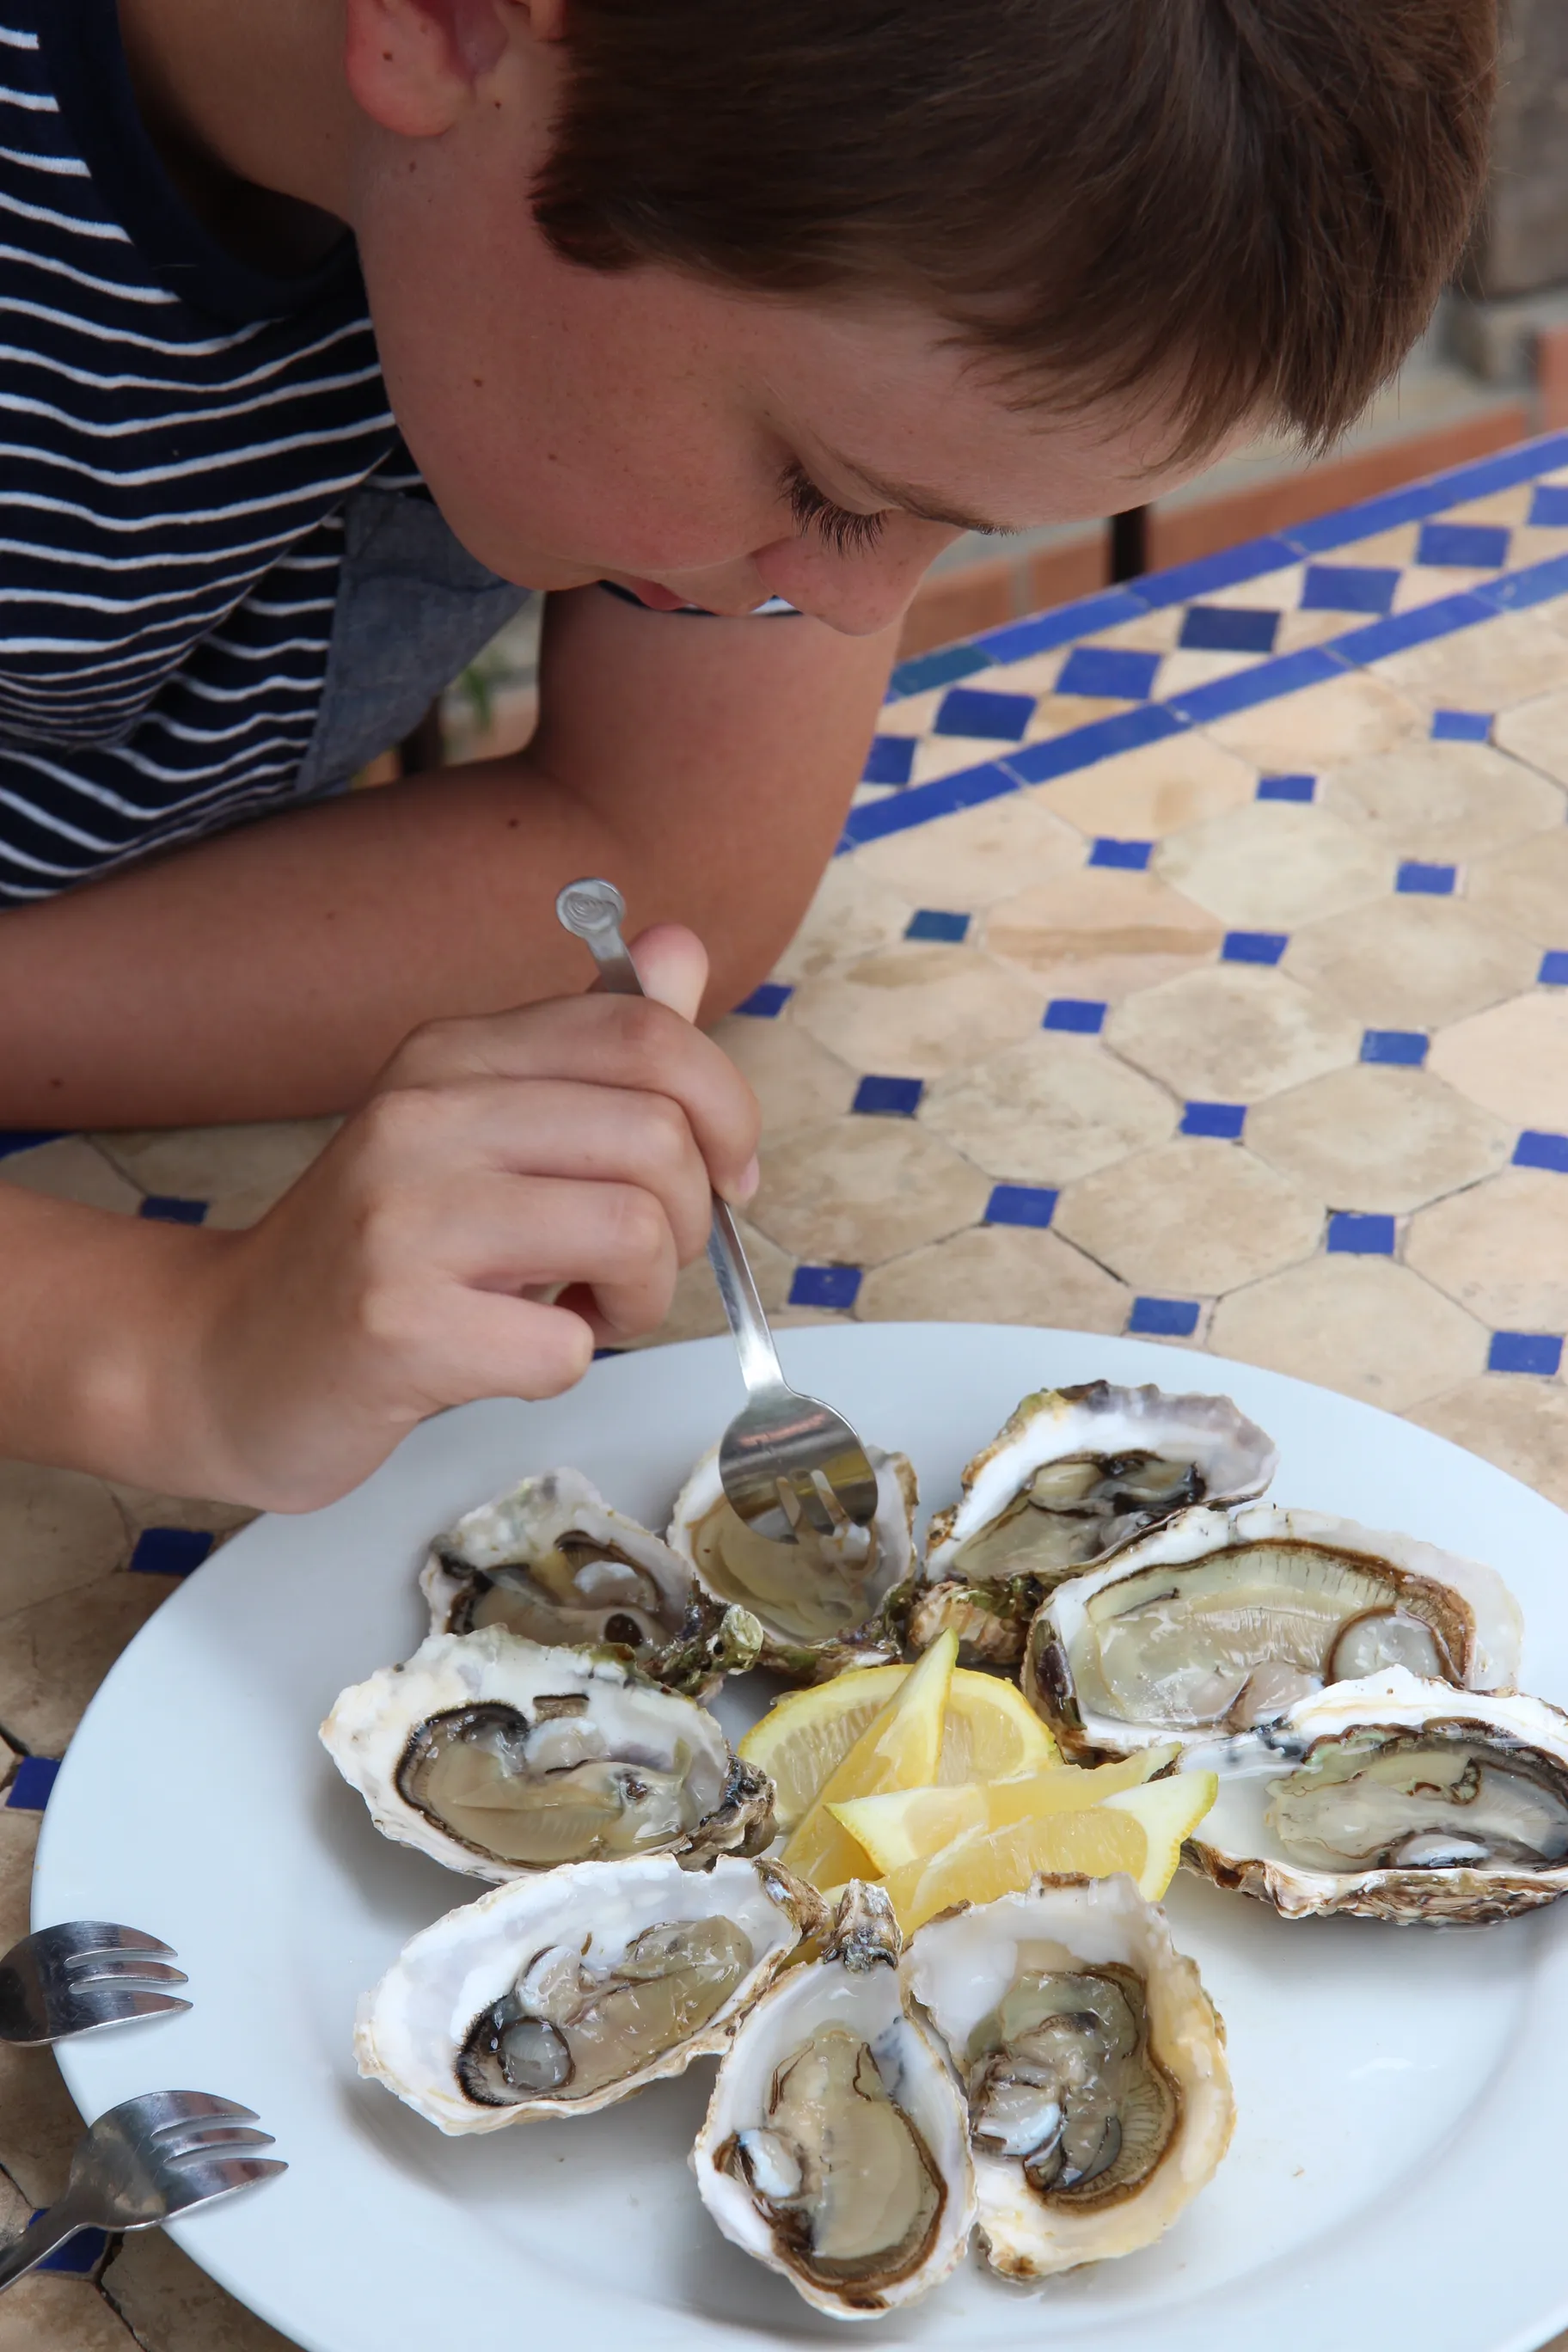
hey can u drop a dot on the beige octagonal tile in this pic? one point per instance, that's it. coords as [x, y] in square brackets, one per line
[1190, 1217]
[72, 1169]
[1103, 932]
[996, 1274]
[859, 1190]
[695, 1312]
[1274, 864]
[1143, 795]
[1526, 888]
[1362, 1325]
[213, 1163]
[794, 1079]
[1443, 801]
[851, 913]
[970, 859]
[1376, 1138]
[1234, 1033]
[1520, 1423]
[1537, 731]
[1411, 962]
[1496, 663]
[51, 2311]
[38, 2122]
[1323, 725]
[173, 2307]
[1500, 1249]
[1513, 1059]
[1054, 1107]
[54, 1654]
[58, 1530]
[917, 1009]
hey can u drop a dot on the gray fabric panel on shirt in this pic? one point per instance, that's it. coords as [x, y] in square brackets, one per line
[414, 607]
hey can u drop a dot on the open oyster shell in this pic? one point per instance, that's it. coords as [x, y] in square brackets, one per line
[551, 1561]
[1394, 1798]
[1220, 1621]
[497, 1757]
[559, 1995]
[824, 1602]
[1073, 1476]
[1092, 2062]
[835, 2147]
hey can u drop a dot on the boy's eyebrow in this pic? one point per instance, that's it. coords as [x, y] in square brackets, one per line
[928, 505]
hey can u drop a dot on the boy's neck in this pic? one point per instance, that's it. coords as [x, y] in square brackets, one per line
[250, 113]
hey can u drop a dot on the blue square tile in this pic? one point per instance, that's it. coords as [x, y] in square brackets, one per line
[1405, 1048]
[1554, 973]
[934, 923]
[1077, 1014]
[1254, 947]
[1461, 726]
[1020, 1205]
[890, 760]
[888, 1098]
[1347, 588]
[766, 1002]
[1224, 1121]
[1132, 856]
[1417, 879]
[1114, 671]
[170, 1211]
[1287, 788]
[1525, 1351]
[1549, 506]
[170, 1551]
[972, 710]
[938, 668]
[601, 1353]
[27, 1139]
[1535, 1149]
[34, 1778]
[1229, 629]
[1352, 1235]
[1471, 546]
[79, 2257]
[824, 1286]
[1163, 1318]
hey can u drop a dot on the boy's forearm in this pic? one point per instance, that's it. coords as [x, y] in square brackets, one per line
[269, 972]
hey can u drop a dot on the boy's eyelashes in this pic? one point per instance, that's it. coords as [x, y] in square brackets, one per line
[846, 532]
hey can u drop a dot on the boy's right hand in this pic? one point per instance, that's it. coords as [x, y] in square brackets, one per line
[566, 1149]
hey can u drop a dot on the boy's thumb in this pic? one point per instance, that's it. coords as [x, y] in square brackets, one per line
[672, 965]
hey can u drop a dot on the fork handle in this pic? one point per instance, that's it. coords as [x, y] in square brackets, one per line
[593, 911]
[38, 2241]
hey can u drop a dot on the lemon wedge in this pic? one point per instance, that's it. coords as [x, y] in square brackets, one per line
[899, 1748]
[1139, 1831]
[989, 1733]
[912, 1824]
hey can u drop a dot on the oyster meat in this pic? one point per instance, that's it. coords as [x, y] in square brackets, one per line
[551, 1561]
[1394, 1797]
[1092, 2063]
[1219, 1621]
[823, 1603]
[558, 1995]
[497, 1755]
[836, 2145]
[1074, 1474]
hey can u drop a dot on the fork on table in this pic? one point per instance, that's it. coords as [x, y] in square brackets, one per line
[163, 2153]
[83, 1974]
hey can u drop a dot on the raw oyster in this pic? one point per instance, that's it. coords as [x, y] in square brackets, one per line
[823, 1603]
[836, 2148]
[550, 1559]
[1395, 1798]
[1074, 1474]
[1092, 2061]
[495, 1756]
[558, 1995]
[1221, 1620]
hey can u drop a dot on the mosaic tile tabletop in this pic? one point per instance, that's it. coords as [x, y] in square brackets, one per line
[1196, 964]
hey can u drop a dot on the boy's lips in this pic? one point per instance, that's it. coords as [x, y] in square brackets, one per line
[649, 593]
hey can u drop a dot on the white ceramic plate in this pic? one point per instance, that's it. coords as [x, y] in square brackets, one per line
[1396, 2169]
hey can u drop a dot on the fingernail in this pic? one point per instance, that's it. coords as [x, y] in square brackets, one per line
[750, 1176]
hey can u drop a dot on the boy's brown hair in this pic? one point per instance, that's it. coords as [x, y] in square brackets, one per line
[1245, 208]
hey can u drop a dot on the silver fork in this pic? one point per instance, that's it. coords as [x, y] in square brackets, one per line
[82, 1975]
[156, 2156]
[785, 1459]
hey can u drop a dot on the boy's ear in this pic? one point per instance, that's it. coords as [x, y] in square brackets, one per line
[411, 64]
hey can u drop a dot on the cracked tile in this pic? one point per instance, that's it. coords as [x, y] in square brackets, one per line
[1052, 1108]
[1537, 731]
[1274, 864]
[47, 2312]
[1362, 1325]
[58, 1530]
[1500, 1249]
[1101, 933]
[54, 1654]
[70, 1169]
[38, 2122]
[175, 2307]
[1412, 962]
[1512, 1059]
[860, 1190]
[1445, 800]
[996, 1274]
[1189, 1218]
[1143, 795]
[914, 1010]
[1520, 1423]
[971, 859]
[1232, 1033]
[1379, 1139]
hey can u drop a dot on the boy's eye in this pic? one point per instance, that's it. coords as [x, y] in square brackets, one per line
[845, 534]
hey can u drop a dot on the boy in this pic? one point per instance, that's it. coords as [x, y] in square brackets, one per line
[684, 311]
